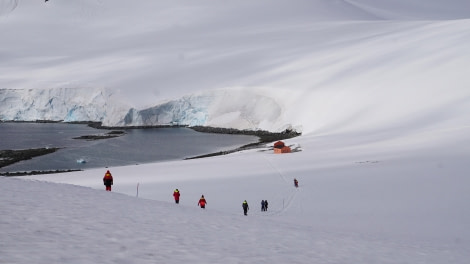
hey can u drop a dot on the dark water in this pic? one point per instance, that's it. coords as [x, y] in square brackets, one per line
[135, 147]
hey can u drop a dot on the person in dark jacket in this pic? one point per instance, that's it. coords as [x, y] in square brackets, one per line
[265, 205]
[108, 180]
[296, 183]
[262, 205]
[245, 207]
[176, 194]
[202, 202]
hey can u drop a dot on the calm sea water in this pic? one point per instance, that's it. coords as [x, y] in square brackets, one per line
[135, 147]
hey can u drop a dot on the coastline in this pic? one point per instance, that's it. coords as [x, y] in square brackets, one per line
[264, 137]
[8, 157]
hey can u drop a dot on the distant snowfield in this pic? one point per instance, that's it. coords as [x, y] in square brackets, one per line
[379, 88]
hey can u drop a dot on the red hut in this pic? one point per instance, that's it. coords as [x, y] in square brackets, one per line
[279, 144]
[280, 147]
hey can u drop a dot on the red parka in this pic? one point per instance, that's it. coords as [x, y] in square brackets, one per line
[108, 179]
[202, 202]
[176, 194]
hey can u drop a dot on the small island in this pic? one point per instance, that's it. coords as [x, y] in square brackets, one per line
[111, 134]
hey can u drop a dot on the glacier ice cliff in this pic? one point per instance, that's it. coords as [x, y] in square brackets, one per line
[227, 108]
[59, 104]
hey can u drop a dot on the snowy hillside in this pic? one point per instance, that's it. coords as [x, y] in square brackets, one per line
[359, 201]
[321, 65]
[379, 88]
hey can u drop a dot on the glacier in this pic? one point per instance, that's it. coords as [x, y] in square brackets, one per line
[227, 108]
[61, 104]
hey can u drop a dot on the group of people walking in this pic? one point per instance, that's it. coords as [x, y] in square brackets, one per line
[108, 181]
[264, 205]
[202, 202]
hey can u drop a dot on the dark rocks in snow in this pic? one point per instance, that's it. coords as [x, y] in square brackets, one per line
[8, 156]
[264, 137]
[111, 134]
[34, 172]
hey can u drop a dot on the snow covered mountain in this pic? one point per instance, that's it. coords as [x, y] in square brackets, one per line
[320, 66]
[380, 89]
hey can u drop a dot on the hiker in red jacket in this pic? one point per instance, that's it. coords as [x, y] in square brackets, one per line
[202, 202]
[108, 180]
[176, 194]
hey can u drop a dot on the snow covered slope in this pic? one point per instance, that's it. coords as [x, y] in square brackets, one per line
[360, 200]
[415, 9]
[321, 65]
[379, 88]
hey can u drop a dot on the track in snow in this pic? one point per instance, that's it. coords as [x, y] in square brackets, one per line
[293, 192]
[7, 6]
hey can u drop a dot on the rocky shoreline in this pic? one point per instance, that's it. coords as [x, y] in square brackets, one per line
[26, 173]
[264, 137]
[111, 134]
[8, 157]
